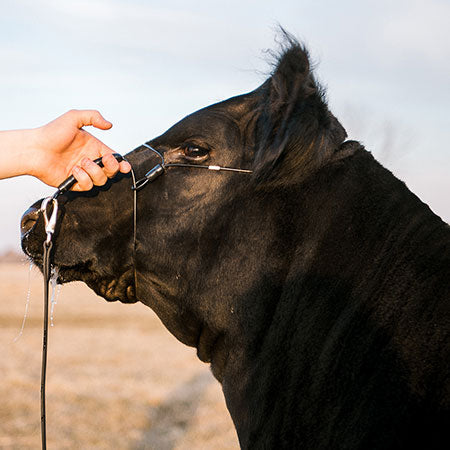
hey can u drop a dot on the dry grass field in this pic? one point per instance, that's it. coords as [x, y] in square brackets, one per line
[116, 378]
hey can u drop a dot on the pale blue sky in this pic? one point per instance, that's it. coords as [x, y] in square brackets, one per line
[146, 64]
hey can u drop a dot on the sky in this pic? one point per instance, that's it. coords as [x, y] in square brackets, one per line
[146, 64]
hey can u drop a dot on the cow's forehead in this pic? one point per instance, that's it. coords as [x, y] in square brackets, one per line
[219, 121]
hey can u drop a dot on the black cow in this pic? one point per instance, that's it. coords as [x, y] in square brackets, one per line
[317, 287]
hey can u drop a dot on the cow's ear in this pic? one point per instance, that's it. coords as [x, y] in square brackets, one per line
[295, 132]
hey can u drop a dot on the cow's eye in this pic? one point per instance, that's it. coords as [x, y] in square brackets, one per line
[195, 152]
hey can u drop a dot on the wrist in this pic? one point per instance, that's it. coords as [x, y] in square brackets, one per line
[28, 153]
[32, 151]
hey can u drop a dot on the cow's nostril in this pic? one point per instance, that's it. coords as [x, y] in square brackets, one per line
[28, 220]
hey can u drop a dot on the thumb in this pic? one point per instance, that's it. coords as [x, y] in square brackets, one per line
[91, 117]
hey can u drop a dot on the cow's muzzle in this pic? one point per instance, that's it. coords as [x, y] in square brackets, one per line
[29, 220]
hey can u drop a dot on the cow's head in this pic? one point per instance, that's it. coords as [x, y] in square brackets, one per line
[208, 243]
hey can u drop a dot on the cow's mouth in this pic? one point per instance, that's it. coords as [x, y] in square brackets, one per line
[119, 287]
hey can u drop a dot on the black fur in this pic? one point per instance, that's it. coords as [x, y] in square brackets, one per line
[317, 287]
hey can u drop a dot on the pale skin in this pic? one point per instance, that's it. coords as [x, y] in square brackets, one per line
[59, 149]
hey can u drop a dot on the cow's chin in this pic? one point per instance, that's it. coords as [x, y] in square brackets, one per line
[119, 287]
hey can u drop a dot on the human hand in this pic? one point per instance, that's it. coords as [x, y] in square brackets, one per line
[63, 148]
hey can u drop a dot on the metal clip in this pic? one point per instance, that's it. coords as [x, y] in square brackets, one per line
[50, 223]
[151, 175]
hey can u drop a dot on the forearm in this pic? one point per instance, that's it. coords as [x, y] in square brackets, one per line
[16, 149]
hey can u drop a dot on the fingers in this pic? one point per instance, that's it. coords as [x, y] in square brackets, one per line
[95, 172]
[89, 117]
[110, 165]
[84, 182]
[90, 174]
[125, 167]
[98, 121]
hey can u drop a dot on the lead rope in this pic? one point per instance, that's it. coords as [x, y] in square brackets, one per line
[50, 224]
[46, 265]
[133, 178]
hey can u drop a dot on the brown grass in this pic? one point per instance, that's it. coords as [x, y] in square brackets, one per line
[116, 378]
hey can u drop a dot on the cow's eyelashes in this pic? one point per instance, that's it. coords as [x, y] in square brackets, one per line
[194, 152]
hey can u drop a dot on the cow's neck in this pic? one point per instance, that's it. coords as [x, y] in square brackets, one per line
[354, 223]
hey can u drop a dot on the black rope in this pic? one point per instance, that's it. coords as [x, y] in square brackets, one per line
[46, 272]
